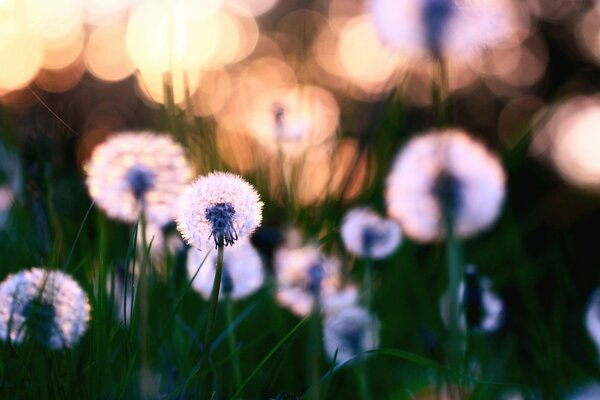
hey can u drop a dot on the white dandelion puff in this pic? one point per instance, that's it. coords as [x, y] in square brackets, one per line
[350, 332]
[219, 207]
[366, 234]
[340, 299]
[131, 172]
[304, 275]
[48, 306]
[482, 310]
[453, 29]
[444, 173]
[243, 271]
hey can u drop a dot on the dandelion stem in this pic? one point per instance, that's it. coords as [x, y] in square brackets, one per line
[368, 283]
[212, 314]
[146, 388]
[455, 272]
[362, 379]
[439, 92]
[313, 349]
[237, 371]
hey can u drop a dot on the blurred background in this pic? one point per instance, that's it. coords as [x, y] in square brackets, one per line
[232, 79]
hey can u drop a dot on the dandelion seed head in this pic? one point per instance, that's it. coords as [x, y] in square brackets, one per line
[482, 308]
[350, 332]
[444, 172]
[243, 271]
[47, 306]
[303, 276]
[592, 318]
[366, 234]
[453, 29]
[218, 206]
[132, 171]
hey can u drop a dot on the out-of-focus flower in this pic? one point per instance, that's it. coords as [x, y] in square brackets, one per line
[570, 138]
[444, 173]
[243, 271]
[48, 306]
[10, 181]
[219, 207]
[304, 275]
[122, 289]
[131, 172]
[366, 234]
[589, 392]
[453, 29]
[482, 309]
[335, 301]
[350, 332]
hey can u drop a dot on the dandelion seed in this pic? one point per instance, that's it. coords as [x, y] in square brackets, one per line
[131, 172]
[48, 306]
[243, 271]
[350, 332]
[482, 309]
[304, 275]
[453, 29]
[366, 234]
[444, 173]
[220, 207]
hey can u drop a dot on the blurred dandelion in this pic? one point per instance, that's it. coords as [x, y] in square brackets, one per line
[304, 275]
[10, 181]
[591, 391]
[451, 29]
[444, 172]
[482, 308]
[340, 299]
[218, 207]
[243, 271]
[135, 172]
[592, 319]
[366, 234]
[350, 332]
[48, 306]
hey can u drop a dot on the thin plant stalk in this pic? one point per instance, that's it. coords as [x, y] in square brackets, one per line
[237, 371]
[212, 316]
[439, 92]
[313, 349]
[145, 378]
[455, 356]
[368, 283]
[362, 379]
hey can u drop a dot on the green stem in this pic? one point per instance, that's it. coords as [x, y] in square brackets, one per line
[313, 350]
[147, 387]
[368, 283]
[363, 380]
[237, 371]
[455, 354]
[210, 324]
[440, 90]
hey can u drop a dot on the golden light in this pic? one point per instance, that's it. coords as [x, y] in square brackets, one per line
[152, 85]
[58, 81]
[166, 36]
[54, 19]
[62, 53]
[253, 7]
[104, 11]
[213, 93]
[364, 59]
[570, 138]
[23, 55]
[105, 53]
